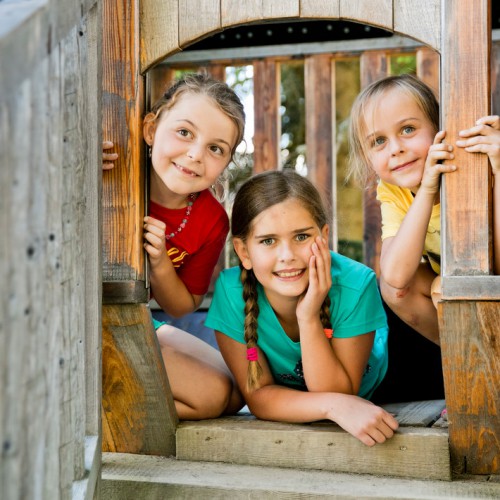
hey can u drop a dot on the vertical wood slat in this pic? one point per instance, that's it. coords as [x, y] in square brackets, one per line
[267, 125]
[373, 66]
[123, 186]
[198, 18]
[378, 13]
[320, 130]
[319, 9]
[138, 410]
[468, 330]
[471, 368]
[428, 68]
[465, 73]
[159, 30]
[158, 79]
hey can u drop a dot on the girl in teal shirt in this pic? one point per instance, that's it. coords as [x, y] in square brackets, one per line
[302, 329]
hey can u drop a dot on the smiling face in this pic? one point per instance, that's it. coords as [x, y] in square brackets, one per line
[191, 146]
[398, 135]
[278, 249]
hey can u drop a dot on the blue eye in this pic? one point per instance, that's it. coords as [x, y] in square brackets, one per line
[302, 237]
[267, 242]
[408, 129]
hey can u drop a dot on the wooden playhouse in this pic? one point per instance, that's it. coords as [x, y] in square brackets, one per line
[51, 423]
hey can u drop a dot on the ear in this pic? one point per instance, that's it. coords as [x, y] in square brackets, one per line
[325, 231]
[149, 128]
[241, 250]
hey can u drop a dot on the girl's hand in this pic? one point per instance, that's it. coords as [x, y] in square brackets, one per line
[438, 152]
[484, 137]
[320, 281]
[154, 234]
[362, 419]
[108, 158]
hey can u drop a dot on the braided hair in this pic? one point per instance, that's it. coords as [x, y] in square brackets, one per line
[257, 194]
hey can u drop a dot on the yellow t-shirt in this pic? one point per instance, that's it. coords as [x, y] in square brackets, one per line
[395, 202]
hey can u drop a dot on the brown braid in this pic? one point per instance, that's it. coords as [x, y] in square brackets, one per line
[324, 314]
[251, 314]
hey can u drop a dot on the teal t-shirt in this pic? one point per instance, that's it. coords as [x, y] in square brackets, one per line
[356, 308]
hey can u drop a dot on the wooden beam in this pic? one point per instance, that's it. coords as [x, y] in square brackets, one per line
[468, 330]
[267, 122]
[138, 410]
[122, 109]
[320, 130]
[373, 66]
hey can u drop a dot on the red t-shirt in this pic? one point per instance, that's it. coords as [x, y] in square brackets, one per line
[196, 249]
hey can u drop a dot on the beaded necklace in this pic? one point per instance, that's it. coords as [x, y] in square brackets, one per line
[182, 225]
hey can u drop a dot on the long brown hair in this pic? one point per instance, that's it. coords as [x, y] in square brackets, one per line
[257, 194]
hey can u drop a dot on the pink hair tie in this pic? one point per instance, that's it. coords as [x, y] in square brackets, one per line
[252, 354]
[328, 333]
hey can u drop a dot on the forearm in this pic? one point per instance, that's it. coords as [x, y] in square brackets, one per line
[284, 404]
[323, 371]
[402, 255]
[171, 293]
[496, 221]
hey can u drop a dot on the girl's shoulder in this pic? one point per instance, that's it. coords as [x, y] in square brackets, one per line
[350, 273]
[230, 278]
[391, 193]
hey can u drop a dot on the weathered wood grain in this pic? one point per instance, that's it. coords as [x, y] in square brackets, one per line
[320, 9]
[373, 66]
[138, 410]
[471, 368]
[465, 71]
[412, 452]
[377, 13]
[319, 78]
[122, 109]
[159, 30]
[266, 117]
[420, 20]
[197, 19]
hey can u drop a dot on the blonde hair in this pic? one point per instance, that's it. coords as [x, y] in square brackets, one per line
[257, 194]
[359, 163]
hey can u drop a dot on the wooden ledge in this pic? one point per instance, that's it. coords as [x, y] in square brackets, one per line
[471, 288]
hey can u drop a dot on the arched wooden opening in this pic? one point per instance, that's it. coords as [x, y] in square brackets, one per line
[469, 313]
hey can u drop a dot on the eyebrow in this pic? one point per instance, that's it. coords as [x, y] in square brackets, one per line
[194, 126]
[273, 235]
[400, 122]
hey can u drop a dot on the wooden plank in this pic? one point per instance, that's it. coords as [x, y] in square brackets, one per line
[159, 29]
[267, 121]
[471, 288]
[124, 292]
[417, 413]
[471, 368]
[369, 12]
[122, 109]
[320, 9]
[420, 20]
[158, 80]
[129, 477]
[373, 66]
[466, 202]
[320, 130]
[418, 453]
[428, 68]
[206, 21]
[235, 12]
[138, 410]
[495, 78]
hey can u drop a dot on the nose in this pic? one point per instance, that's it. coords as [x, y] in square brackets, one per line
[195, 152]
[396, 146]
[286, 252]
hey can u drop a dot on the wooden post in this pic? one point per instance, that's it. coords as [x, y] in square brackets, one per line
[138, 409]
[470, 312]
[320, 130]
[267, 124]
[373, 66]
